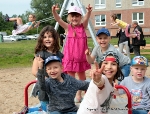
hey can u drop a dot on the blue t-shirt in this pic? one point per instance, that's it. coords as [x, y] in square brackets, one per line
[140, 92]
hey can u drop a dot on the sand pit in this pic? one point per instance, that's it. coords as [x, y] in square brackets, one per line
[12, 82]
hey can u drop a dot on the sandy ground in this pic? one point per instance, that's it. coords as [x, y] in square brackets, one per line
[12, 83]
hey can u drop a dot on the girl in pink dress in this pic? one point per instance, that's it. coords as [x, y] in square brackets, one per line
[74, 60]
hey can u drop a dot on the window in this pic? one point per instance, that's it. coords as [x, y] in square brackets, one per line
[100, 4]
[139, 17]
[137, 2]
[100, 20]
[119, 16]
[118, 3]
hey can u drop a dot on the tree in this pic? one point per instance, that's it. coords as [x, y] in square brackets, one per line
[4, 26]
[42, 9]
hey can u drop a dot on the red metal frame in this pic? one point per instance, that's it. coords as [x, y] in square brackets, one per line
[128, 95]
[26, 92]
[117, 87]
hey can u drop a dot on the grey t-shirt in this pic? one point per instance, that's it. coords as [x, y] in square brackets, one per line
[123, 59]
[140, 92]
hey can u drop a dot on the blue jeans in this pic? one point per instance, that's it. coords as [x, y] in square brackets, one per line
[44, 105]
[126, 70]
[56, 112]
[139, 111]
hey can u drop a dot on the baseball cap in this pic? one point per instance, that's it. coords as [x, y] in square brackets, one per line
[74, 9]
[52, 58]
[110, 53]
[103, 30]
[139, 60]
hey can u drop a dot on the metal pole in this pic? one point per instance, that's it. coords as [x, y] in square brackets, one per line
[26, 92]
[61, 12]
[128, 95]
[92, 32]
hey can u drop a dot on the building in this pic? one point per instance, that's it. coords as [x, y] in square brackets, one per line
[127, 10]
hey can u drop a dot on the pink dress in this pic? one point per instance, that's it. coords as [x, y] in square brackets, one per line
[74, 51]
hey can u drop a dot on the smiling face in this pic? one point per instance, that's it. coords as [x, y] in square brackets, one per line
[103, 40]
[110, 68]
[138, 72]
[54, 70]
[48, 40]
[74, 18]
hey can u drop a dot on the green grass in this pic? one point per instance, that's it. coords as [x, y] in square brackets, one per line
[17, 54]
[21, 53]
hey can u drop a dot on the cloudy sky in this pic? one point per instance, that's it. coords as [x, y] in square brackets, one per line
[17, 7]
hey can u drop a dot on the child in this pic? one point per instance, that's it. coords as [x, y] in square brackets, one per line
[124, 25]
[123, 41]
[61, 88]
[47, 45]
[138, 85]
[99, 94]
[19, 27]
[74, 60]
[103, 39]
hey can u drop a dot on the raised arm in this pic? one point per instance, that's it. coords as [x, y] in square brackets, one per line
[57, 17]
[34, 67]
[87, 16]
[37, 24]
[115, 23]
[96, 74]
[40, 73]
[90, 59]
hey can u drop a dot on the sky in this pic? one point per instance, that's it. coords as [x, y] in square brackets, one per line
[12, 7]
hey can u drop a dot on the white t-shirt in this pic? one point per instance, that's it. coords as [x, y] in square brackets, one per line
[21, 28]
[95, 98]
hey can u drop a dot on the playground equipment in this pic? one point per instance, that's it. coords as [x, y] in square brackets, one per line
[115, 110]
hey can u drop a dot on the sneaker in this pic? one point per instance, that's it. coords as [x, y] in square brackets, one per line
[6, 18]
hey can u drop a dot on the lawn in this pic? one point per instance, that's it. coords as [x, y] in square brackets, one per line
[21, 53]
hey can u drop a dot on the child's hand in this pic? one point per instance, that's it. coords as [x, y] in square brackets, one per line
[97, 73]
[148, 112]
[115, 90]
[38, 22]
[89, 8]
[55, 7]
[33, 22]
[87, 52]
[40, 61]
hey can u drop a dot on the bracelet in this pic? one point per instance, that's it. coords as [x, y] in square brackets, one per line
[98, 82]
